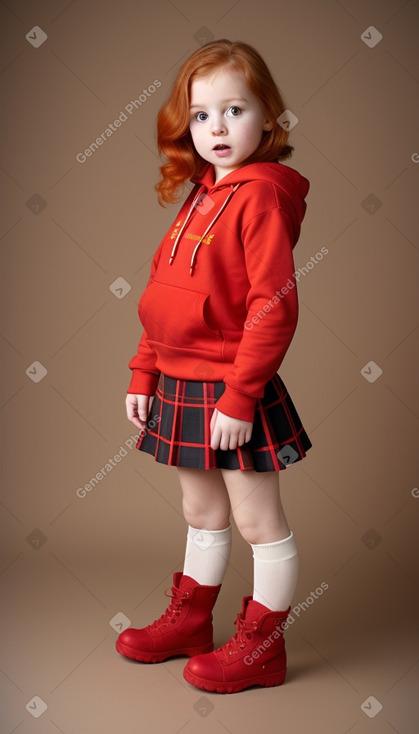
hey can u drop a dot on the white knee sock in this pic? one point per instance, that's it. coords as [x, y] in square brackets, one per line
[207, 555]
[275, 573]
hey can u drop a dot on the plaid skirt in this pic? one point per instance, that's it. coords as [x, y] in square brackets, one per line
[177, 432]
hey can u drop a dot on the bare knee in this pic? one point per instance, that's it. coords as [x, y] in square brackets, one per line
[206, 504]
[215, 516]
[258, 511]
[250, 532]
[264, 530]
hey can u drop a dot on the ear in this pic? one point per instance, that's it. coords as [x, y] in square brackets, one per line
[267, 125]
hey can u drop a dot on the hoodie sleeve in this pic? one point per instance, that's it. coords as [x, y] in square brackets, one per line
[272, 311]
[145, 375]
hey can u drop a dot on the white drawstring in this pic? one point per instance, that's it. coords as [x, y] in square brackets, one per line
[207, 229]
[212, 223]
[172, 254]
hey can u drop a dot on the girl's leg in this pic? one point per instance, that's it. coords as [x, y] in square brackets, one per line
[259, 515]
[185, 628]
[256, 503]
[206, 502]
[206, 509]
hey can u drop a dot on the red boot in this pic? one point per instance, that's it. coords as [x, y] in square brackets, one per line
[185, 628]
[254, 656]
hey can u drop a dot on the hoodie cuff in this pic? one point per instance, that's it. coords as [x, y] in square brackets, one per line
[143, 383]
[236, 404]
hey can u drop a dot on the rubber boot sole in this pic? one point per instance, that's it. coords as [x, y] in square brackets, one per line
[273, 679]
[144, 656]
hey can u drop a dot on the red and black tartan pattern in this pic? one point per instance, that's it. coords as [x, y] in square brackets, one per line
[182, 435]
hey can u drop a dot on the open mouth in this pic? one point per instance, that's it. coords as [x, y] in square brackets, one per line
[220, 146]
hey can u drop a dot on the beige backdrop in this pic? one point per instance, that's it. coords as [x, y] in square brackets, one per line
[77, 236]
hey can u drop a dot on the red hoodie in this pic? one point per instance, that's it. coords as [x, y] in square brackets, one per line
[213, 308]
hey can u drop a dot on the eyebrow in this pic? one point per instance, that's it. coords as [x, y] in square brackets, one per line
[224, 101]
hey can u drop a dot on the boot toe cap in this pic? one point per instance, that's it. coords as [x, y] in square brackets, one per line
[206, 667]
[135, 639]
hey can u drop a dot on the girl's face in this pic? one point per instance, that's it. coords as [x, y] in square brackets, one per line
[223, 111]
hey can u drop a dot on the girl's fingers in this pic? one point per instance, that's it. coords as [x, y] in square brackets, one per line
[213, 423]
[225, 440]
[215, 439]
[137, 407]
[133, 415]
[215, 431]
[225, 437]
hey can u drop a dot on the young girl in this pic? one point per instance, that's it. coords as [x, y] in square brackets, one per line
[219, 313]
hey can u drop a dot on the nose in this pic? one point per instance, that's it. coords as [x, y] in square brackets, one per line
[218, 127]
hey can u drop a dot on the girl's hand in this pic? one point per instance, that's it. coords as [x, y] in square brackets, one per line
[227, 432]
[138, 407]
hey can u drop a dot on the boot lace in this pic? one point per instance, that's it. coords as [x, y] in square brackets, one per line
[244, 633]
[174, 608]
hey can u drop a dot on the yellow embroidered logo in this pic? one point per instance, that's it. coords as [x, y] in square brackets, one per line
[176, 230]
[206, 241]
[189, 235]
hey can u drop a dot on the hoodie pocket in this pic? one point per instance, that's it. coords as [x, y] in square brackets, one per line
[174, 316]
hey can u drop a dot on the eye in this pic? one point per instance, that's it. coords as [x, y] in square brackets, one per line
[198, 116]
[235, 111]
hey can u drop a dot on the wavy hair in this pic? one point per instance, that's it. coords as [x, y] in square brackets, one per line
[174, 139]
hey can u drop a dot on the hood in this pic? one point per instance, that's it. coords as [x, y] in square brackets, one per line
[291, 182]
[293, 190]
